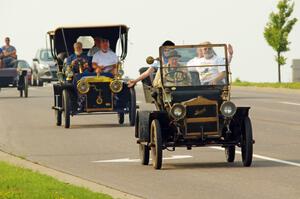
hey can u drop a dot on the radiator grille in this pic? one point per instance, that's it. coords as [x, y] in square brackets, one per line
[100, 91]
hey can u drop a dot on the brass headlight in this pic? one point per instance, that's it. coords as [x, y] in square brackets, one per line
[116, 86]
[178, 111]
[83, 86]
[228, 109]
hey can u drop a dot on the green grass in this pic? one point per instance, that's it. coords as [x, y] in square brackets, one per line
[295, 85]
[20, 183]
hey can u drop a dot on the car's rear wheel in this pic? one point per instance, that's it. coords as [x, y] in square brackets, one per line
[66, 108]
[58, 117]
[39, 82]
[156, 144]
[132, 107]
[230, 153]
[33, 80]
[21, 92]
[26, 86]
[121, 118]
[144, 154]
[247, 143]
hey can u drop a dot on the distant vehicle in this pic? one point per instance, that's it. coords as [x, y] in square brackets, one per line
[17, 74]
[43, 68]
[194, 108]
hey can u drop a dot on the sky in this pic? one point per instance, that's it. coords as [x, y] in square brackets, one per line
[238, 22]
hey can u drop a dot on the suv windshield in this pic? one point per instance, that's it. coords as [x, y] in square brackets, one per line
[194, 65]
[46, 55]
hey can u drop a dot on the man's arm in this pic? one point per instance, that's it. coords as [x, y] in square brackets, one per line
[141, 77]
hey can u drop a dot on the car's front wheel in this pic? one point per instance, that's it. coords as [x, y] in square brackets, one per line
[156, 144]
[247, 143]
[144, 154]
[230, 153]
[121, 118]
[66, 108]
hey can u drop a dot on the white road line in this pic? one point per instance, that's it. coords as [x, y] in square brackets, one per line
[290, 103]
[265, 158]
[173, 157]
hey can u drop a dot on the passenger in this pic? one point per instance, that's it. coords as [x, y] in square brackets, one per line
[200, 54]
[1, 56]
[153, 67]
[95, 48]
[207, 56]
[105, 60]
[173, 74]
[78, 62]
[9, 53]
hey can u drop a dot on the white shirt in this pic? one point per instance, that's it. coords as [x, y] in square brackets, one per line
[105, 59]
[207, 74]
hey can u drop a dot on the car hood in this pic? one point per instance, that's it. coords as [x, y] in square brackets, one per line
[50, 63]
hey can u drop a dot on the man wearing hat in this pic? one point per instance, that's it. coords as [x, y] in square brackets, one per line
[173, 75]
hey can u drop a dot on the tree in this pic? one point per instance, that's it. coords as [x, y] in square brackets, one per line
[277, 31]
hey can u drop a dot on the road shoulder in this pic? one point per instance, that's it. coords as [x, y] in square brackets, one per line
[64, 177]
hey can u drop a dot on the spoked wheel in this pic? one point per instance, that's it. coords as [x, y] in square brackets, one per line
[39, 82]
[132, 107]
[247, 143]
[121, 118]
[58, 117]
[25, 87]
[230, 153]
[21, 92]
[66, 107]
[156, 144]
[144, 154]
[33, 80]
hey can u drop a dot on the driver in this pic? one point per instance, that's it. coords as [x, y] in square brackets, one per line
[78, 62]
[173, 74]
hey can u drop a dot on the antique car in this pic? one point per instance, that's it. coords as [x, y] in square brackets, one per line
[16, 74]
[43, 68]
[193, 103]
[99, 94]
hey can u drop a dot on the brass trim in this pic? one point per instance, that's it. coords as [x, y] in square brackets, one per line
[98, 109]
[206, 119]
[95, 109]
[199, 133]
[95, 79]
[200, 101]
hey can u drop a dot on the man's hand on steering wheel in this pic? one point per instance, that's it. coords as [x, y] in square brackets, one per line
[178, 76]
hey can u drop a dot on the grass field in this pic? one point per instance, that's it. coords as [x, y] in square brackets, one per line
[19, 183]
[295, 85]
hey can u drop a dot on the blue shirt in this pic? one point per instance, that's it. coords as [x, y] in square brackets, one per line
[1, 50]
[8, 49]
[81, 58]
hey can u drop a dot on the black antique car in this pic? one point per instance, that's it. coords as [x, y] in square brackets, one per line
[17, 74]
[100, 94]
[192, 95]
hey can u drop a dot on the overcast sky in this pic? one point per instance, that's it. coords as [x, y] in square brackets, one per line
[238, 22]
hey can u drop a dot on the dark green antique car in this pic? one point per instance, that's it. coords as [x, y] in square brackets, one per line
[191, 92]
[99, 94]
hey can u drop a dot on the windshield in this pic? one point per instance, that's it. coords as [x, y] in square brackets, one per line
[194, 65]
[46, 55]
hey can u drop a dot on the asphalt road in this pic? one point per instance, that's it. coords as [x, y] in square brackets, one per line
[27, 128]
